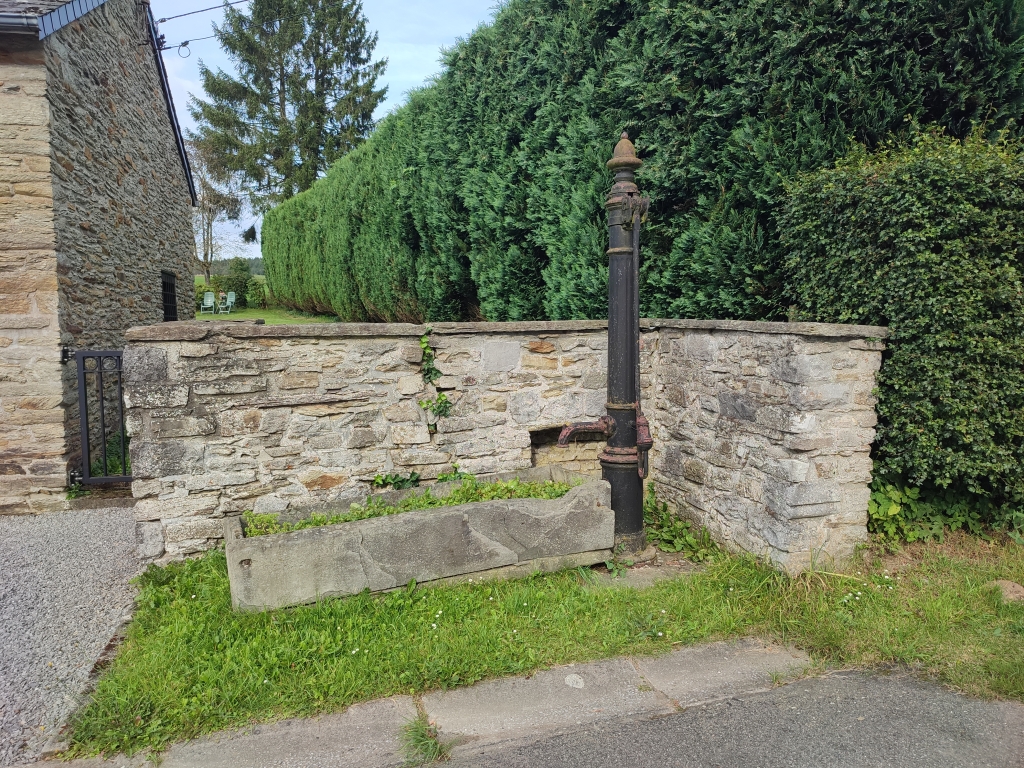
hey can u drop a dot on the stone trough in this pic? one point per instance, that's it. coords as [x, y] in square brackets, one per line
[482, 540]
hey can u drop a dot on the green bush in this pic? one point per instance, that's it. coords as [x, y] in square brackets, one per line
[481, 197]
[928, 239]
[256, 292]
[201, 289]
[236, 280]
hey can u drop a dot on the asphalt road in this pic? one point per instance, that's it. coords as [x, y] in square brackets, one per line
[850, 720]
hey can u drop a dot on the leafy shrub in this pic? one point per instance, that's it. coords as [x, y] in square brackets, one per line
[236, 280]
[396, 481]
[927, 239]
[674, 534]
[256, 292]
[482, 196]
[901, 514]
[201, 289]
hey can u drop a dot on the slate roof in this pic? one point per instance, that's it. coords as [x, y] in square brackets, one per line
[30, 7]
[44, 17]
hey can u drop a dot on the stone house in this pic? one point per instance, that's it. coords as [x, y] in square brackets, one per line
[95, 218]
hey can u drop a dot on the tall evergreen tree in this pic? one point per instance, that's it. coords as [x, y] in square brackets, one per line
[303, 96]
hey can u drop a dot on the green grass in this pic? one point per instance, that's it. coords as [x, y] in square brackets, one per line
[469, 491]
[190, 665]
[275, 316]
[422, 744]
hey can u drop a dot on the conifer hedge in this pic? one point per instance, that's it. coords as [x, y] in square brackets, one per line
[481, 197]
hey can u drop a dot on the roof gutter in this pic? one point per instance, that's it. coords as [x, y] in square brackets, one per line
[154, 39]
[17, 24]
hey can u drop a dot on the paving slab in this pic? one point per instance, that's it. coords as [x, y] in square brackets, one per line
[648, 574]
[707, 673]
[550, 701]
[363, 736]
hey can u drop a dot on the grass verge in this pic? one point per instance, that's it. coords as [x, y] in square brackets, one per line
[190, 665]
[469, 491]
[275, 316]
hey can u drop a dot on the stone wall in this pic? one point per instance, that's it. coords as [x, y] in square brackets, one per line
[31, 417]
[121, 200]
[227, 417]
[764, 433]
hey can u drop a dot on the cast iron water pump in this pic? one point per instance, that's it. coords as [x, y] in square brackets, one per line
[624, 458]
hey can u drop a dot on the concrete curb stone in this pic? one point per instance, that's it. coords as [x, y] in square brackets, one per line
[493, 713]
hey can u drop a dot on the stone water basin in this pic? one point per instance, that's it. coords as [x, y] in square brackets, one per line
[486, 539]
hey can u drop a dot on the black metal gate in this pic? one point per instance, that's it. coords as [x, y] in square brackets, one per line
[105, 456]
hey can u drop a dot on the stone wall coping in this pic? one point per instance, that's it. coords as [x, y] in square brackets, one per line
[830, 330]
[196, 330]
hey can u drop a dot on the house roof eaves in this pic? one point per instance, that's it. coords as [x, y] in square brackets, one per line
[42, 18]
[18, 24]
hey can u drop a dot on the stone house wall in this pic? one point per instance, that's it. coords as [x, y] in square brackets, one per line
[122, 208]
[32, 441]
[94, 203]
[227, 417]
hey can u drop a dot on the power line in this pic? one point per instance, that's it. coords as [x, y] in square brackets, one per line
[185, 43]
[202, 10]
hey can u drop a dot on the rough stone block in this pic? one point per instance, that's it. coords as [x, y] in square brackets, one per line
[540, 361]
[233, 386]
[155, 459]
[175, 507]
[402, 412]
[411, 354]
[501, 355]
[186, 426]
[269, 505]
[410, 385]
[151, 540]
[300, 380]
[152, 395]
[425, 545]
[410, 434]
[362, 437]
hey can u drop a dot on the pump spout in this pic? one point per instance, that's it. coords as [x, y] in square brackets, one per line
[603, 426]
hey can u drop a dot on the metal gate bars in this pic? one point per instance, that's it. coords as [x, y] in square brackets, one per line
[105, 456]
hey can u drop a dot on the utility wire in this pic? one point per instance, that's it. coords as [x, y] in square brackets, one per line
[185, 43]
[202, 10]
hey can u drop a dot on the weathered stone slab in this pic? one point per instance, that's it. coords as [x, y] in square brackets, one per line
[551, 700]
[424, 545]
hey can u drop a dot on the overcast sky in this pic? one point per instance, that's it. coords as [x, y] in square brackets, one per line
[411, 34]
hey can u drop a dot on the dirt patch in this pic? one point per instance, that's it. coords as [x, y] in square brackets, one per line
[956, 545]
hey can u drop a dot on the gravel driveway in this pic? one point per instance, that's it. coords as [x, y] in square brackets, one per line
[64, 592]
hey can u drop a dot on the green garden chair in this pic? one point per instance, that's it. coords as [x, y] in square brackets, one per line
[209, 303]
[228, 304]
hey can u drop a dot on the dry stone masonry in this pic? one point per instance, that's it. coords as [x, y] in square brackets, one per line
[762, 430]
